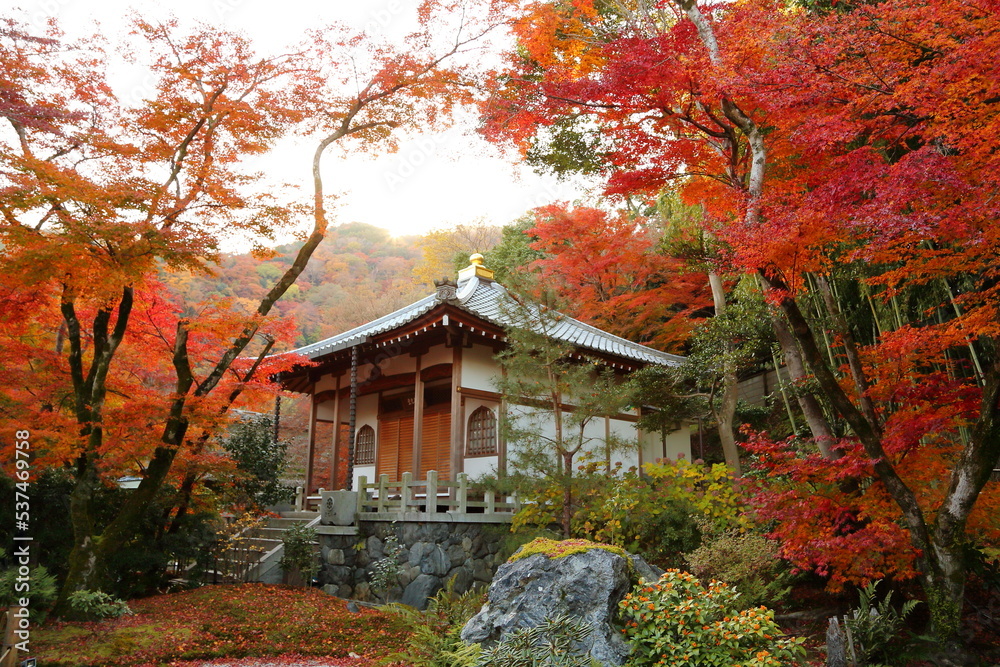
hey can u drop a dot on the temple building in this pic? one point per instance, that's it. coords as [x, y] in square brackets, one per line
[415, 390]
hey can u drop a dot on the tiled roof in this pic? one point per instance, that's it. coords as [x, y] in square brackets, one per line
[484, 299]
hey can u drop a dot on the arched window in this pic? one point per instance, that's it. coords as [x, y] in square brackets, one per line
[482, 432]
[364, 447]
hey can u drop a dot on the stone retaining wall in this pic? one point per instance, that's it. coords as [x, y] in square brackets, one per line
[432, 554]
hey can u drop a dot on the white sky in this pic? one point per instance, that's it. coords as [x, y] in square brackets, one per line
[435, 180]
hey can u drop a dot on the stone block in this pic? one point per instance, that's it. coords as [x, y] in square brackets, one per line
[335, 557]
[338, 508]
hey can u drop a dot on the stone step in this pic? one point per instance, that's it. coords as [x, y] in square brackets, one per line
[271, 533]
[283, 522]
[299, 515]
[264, 543]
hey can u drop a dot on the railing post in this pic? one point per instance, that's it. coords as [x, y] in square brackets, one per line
[432, 492]
[299, 499]
[463, 493]
[9, 655]
[491, 504]
[383, 491]
[406, 491]
[362, 492]
[517, 503]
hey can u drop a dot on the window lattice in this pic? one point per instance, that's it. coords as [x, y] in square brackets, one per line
[482, 432]
[364, 447]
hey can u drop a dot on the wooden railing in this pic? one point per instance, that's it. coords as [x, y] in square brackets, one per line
[307, 503]
[432, 496]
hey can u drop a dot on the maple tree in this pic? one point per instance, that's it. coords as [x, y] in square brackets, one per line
[846, 158]
[98, 194]
[608, 268]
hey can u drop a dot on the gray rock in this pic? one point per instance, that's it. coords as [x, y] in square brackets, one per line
[836, 644]
[345, 591]
[481, 571]
[353, 607]
[335, 557]
[420, 589]
[644, 570]
[456, 554]
[374, 546]
[462, 577]
[586, 586]
[363, 591]
[417, 552]
[435, 561]
[467, 543]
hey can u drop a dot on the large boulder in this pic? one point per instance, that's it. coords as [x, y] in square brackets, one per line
[575, 578]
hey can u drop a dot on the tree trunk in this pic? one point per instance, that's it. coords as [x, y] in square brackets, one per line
[725, 414]
[808, 403]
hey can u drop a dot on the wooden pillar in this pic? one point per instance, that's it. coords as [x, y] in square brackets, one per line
[352, 419]
[457, 413]
[335, 445]
[501, 435]
[310, 461]
[418, 420]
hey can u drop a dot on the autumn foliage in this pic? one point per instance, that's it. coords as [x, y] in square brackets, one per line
[609, 269]
[846, 155]
[284, 624]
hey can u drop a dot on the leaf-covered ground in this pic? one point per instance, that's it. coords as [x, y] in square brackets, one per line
[249, 625]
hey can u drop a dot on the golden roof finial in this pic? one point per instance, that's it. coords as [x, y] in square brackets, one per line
[475, 268]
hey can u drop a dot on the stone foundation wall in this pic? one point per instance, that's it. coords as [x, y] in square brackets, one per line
[432, 554]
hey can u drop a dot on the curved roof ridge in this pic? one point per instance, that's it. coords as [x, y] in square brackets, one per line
[482, 298]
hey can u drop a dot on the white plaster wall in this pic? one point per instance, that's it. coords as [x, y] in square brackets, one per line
[325, 382]
[479, 466]
[367, 471]
[626, 431]
[367, 412]
[678, 445]
[325, 411]
[439, 354]
[399, 364]
[651, 448]
[479, 368]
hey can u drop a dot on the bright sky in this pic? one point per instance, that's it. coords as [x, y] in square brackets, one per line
[433, 181]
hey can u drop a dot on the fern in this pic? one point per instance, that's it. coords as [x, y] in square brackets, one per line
[873, 628]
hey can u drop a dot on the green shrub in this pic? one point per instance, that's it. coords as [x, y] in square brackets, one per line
[386, 570]
[96, 605]
[747, 561]
[662, 513]
[555, 642]
[436, 640]
[676, 622]
[300, 552]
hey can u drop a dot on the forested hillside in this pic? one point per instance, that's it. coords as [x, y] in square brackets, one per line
[358, 273]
